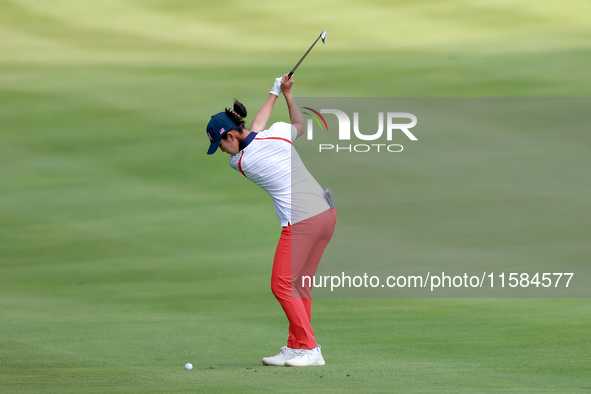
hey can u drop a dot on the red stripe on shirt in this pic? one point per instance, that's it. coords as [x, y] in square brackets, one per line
[274, 138]
[240, 164]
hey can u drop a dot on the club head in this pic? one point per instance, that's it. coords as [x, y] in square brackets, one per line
[323, 36]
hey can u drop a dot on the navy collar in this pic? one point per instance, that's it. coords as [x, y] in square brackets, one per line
[247, 140]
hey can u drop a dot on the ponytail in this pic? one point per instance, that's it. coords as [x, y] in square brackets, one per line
[237, 115]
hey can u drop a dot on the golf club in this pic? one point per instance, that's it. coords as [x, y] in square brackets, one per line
[323, 36]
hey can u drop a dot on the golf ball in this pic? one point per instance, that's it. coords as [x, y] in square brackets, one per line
[189, 366]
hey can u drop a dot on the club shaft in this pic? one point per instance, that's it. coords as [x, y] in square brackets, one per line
[303, 57]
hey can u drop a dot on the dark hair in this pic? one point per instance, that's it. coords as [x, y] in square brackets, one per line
[237, 115]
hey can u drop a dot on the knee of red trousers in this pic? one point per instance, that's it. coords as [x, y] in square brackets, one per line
[281, 287]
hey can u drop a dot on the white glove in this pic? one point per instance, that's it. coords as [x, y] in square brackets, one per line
[276, 87]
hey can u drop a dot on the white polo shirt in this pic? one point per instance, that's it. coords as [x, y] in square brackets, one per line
[271, 161]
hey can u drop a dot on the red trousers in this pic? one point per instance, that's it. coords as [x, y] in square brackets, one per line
[298, 253]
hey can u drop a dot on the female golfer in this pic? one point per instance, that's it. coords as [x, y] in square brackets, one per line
[267, 157]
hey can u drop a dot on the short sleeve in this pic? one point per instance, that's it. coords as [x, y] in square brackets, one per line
[294, 132]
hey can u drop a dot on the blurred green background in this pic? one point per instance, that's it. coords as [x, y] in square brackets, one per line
[126, 252]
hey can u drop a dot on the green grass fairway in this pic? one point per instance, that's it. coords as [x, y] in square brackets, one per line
[126, 252]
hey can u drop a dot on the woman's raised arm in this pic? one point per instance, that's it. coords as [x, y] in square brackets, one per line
[295, 116]
[259, 123]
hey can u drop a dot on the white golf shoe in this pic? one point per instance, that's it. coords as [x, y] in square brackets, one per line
[287, 353]
[306, 357]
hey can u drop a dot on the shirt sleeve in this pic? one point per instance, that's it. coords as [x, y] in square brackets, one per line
[294, 132]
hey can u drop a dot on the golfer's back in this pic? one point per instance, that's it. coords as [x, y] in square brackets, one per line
[272, 162]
